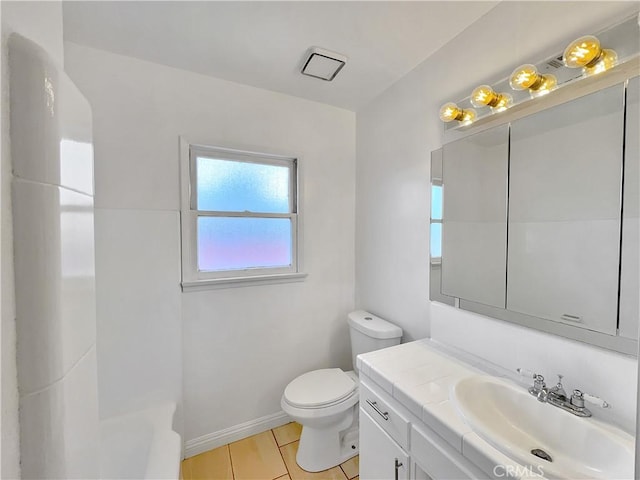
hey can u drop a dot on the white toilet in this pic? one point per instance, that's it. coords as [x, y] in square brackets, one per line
[325, 402]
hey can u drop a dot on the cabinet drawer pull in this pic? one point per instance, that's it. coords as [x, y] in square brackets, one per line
[571, 318]
[397, 465]
[374, 405]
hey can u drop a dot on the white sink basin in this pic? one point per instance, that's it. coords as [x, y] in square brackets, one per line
[515, 423]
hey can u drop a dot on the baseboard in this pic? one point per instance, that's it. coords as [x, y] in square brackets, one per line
[232, 434]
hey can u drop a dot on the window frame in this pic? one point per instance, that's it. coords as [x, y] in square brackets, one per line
[195, 279]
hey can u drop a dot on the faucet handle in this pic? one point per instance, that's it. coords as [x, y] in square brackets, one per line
[578, 398]
[539, 387]
[596, 400]
[526, 373]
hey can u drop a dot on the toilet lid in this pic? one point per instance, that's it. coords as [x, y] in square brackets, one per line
[319, 387]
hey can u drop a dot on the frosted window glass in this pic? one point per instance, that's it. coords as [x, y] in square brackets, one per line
[232, 243]
[436, 202]
[231, 186]
[436, 240]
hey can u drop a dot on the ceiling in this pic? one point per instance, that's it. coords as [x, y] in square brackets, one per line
[263, 43]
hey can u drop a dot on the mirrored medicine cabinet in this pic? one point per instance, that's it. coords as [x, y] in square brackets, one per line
[540, 218]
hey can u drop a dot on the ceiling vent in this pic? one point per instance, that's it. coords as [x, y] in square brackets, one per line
[323, 64]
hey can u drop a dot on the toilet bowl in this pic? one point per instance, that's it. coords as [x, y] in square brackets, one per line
[325, 401]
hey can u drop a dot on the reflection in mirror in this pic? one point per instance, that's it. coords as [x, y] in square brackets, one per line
[435, 237]
[475, 217]
[564, 211]
[629, 283]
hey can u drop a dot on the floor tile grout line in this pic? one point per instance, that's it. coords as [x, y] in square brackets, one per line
[288, 443]
[233, 472]
[280, 452]
[284, 444]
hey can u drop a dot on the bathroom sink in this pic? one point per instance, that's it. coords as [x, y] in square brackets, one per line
[517, 424]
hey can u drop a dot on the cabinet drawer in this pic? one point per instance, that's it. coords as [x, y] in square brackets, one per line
[377, 405]
[439, 459]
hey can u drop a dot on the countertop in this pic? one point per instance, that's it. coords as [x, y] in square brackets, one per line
[419, 375]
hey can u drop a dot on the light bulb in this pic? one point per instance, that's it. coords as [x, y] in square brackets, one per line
[608, 59]
[524, 77]
[586, 53]
[468, 117]
[484, 95]
[549, 82]
[582, 51]
[450, 111]
[527, 77]
[505, 102]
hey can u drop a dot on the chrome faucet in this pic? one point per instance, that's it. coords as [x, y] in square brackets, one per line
[557, 396]
[558, 390]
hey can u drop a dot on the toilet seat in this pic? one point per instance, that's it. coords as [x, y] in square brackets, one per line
[320, 389]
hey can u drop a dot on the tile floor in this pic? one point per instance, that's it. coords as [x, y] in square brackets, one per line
[268, 455]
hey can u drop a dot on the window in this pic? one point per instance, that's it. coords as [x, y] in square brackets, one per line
[436, 221]
[239, 217]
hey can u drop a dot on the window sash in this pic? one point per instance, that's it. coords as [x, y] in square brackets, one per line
[196, 151]
[245, 272]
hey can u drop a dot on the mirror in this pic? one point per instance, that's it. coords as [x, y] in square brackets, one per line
[475, 207]
[540, 223]
[564, 211]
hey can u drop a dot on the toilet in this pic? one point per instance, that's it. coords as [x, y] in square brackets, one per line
[325, 402]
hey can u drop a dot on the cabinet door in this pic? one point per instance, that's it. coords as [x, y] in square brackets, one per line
[474, 222]
[380, 457]
[629, 275]
[565, 176]
[436, 459]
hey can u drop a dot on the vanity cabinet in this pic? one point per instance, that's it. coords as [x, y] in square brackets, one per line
[395, 444]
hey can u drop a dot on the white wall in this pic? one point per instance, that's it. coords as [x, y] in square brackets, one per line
[395, 135]
[42, 23]
[240, 346]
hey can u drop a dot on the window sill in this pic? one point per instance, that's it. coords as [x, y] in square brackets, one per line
[216, 283]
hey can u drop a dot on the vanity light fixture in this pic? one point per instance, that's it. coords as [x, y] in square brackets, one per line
[586, 53]
[484, 95]
[450, 112]
[527, 77]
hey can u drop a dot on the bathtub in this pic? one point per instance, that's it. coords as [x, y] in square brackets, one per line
[140, 445]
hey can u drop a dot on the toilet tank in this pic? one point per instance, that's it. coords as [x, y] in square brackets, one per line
[369, 333]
